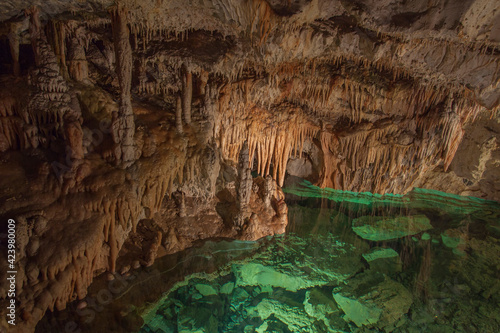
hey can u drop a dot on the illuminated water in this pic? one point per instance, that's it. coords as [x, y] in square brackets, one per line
[424, 262]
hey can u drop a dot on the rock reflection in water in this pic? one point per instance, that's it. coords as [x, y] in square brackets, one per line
[426, 261]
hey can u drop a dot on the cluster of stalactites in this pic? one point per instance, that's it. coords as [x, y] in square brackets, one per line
[270, 144]
[51, 114]
[378, 155]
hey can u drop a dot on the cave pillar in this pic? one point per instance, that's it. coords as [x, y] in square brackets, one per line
[243, 185]
[187, 93]
[123, 123]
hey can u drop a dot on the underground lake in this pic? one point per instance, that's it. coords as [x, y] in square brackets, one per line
[348, 262]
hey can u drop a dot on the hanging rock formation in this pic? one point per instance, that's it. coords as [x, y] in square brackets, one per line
[187, 93]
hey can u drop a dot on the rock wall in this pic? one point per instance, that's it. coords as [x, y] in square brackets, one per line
[474, 169]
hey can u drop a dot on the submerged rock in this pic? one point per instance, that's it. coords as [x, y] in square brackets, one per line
[380, 253]
[380, 228]
[205, 289]
[299, 265]
[258, 275]
[294, 317]
[321, 307]
[383, 260]
[455, 240]
[373, 300]
[227, 288]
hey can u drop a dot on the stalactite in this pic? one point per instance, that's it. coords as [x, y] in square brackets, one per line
[50, 107]
[14, 50]
[364, 159]
[178, 114]
[187, 93]
[78, 66]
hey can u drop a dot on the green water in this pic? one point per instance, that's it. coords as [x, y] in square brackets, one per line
[352, 262]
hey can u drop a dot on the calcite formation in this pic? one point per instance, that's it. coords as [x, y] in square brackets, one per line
[122, 122]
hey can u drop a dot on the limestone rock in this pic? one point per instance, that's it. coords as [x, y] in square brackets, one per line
[294, 317]
[243, 186]
[384, 260]
[378, 228]
[373, 300]
[321, 307]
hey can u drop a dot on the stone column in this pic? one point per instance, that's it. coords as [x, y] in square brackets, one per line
[124, 123]
[243, 185]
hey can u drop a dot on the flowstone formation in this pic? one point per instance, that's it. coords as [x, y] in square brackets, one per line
[122, 123]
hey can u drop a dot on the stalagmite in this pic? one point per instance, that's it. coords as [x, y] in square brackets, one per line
[78, 66]
[182, 205]
[268, 190]
[243, 186]
[203, 81]
[124, 122]
[178, 114]
[187, 93]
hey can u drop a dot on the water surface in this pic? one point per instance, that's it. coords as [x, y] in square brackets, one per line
[352, 262]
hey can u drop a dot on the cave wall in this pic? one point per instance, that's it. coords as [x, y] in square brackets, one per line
[116, 113]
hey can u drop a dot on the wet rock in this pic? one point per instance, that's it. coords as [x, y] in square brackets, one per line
[455, 240]
[227, 288]
[294, 317]
[384, 260]
[380, 228]
[425, 236]
[239, 297]
[321, 307]
[380, 253]
[205, 289]
[256, 274]
[373, 300]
